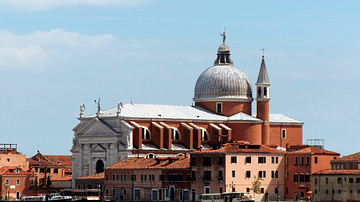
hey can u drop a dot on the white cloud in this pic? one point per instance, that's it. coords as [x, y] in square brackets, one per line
[32, 51]
[41, 5]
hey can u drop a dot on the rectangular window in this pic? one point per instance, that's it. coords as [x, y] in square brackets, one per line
[302, 160]
[247, 190]
[296, 160]
[206, 190]
[287, 174]
[7, 182]
[307, 160]
[339, 180]
[276, 190]
[272, 159]
[272, 174]
[262, 190]
[233, 174]
[307, 178]
[233, 159]
[276, 174]
[261, 159]
[316, 160]
[296, 178]
[133, 177]
[193, 161]
[56, 170]
[351, 180]
[221, 160]
[106, 177]
[357, 180]
[262, 174]
[31, 182]
[207, 161]
[287, 160]
[315, 180]
[219, 107]
[283, 134]
[42, 170]
[302, 178]
[207, 175]
[17, 182]
[248, 174]
[327, 180]
[193, 175]
[276, 160]
[220, 175]
[248, 159]
[162, 177]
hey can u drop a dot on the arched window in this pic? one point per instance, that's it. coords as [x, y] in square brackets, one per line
[150, 156]
[265, 92]
[99, 166]
[175, 134]
[204, 135]
[146, 135]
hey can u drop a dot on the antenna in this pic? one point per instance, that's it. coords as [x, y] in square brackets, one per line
[263, 51]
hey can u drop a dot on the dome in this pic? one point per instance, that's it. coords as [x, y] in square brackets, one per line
[223, 81]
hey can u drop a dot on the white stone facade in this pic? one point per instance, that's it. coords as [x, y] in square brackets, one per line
[97, 140]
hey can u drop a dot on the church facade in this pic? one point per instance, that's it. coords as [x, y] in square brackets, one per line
[222, 113]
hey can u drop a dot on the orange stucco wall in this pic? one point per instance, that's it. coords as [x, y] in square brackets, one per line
[228, 108]
[293, 135]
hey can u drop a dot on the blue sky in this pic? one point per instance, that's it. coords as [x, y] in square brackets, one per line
[56, 54]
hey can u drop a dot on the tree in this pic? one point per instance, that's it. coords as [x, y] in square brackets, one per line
[256, 184]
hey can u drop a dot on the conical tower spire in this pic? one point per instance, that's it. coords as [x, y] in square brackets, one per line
[262, 102]
[263, 76]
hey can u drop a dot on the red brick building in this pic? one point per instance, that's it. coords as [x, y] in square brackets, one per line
[300, 164]
[148, 179]
[48, 167]
[15, 182]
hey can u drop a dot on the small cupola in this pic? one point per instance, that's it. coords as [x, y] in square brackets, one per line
[223, 55]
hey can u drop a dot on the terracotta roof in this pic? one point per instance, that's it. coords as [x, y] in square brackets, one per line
[153, 163]
[351, 157]
[96, 176]
[65, 178]
[313, 150]
[337, 172]
[50, 160]
[232, 148]
[11, 170]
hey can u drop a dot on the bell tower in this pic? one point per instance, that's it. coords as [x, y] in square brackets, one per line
[262, 102]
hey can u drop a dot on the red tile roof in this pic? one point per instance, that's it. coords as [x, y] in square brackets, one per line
[313, 150]
[153, 163]
[351, 157]
[337, 172]
[50, 160]
[96, 176]
[65, 178]
[11, 170]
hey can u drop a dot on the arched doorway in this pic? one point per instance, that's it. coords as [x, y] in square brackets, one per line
[99, 166]
[172, 193]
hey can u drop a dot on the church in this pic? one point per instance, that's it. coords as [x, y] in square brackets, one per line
[222, 113]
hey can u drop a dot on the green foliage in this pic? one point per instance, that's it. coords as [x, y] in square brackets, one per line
[256, 184]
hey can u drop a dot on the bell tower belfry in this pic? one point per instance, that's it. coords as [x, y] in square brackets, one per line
[262, 102]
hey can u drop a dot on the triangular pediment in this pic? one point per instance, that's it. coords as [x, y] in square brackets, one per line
[96, 127]
[98, 148]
